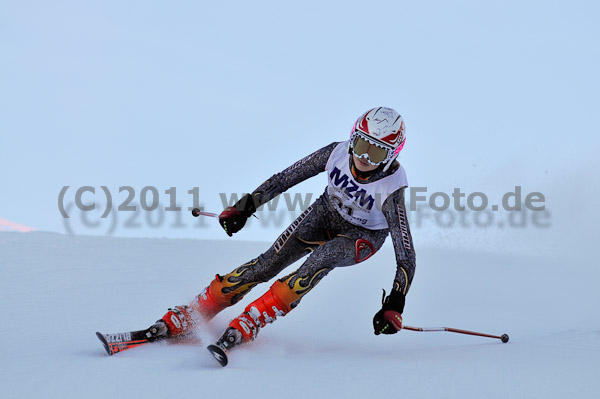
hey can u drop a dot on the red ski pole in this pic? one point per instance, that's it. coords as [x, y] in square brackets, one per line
[504, 337]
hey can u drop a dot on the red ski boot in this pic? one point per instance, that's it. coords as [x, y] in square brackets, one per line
[274, 303]
[221, 293]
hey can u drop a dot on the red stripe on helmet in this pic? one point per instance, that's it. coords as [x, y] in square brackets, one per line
[363, 125]
[392, 139]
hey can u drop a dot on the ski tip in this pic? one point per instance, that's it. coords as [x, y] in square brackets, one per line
[102, 339]
[219, 354]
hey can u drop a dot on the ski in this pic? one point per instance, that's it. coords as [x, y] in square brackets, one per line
[115, 343]
[219, 354]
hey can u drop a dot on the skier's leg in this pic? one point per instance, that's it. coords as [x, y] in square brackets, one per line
[286, 293]
[229, 289]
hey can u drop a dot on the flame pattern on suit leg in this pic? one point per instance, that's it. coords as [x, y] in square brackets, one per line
[234, 286]
[300, 285]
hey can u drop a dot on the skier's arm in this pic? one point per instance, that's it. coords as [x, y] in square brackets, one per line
[280, 182]
[395, 214]
[388, 320]
[233, 218]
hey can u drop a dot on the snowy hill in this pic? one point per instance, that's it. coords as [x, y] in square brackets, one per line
[56, 291]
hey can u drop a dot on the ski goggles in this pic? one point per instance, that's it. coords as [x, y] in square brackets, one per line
[375, 154]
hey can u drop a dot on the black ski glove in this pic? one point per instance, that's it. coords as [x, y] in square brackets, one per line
[233, 218]
[389, 319]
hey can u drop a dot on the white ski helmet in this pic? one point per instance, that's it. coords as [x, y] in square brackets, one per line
[378, 136]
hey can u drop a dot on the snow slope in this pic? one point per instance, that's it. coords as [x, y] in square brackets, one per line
[57, 290]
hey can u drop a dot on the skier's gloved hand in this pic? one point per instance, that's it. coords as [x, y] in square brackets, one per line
[389, 319]
[233, 218]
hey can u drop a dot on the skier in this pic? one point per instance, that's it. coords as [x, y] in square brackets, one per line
[362, 204]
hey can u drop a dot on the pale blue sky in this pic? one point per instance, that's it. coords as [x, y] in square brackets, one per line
[221, 95]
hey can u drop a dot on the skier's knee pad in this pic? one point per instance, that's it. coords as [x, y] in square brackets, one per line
[364, 250]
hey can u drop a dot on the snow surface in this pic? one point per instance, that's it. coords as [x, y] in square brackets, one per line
[57, 290]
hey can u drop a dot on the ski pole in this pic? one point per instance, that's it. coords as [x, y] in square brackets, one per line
[197, 212]
[504, 337]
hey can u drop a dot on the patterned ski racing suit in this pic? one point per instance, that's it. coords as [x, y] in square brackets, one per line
[329, 239]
